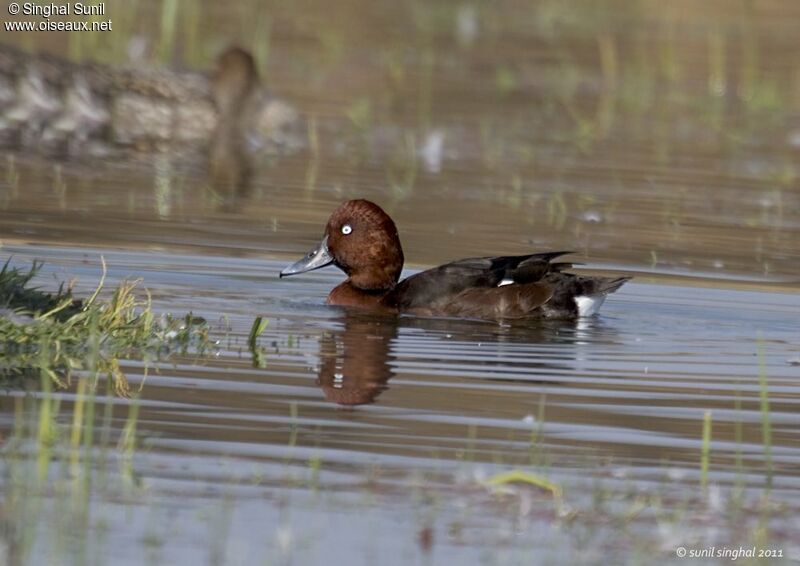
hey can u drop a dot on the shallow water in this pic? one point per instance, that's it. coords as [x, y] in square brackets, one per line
[652, 143]
[619, 399]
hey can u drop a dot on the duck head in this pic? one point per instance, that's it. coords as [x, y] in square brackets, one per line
[233, 79]
[361, 240]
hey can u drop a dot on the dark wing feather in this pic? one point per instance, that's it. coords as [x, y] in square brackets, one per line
[506, 302]
[442, 284]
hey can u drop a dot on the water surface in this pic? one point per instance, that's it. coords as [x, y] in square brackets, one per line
[658, 141]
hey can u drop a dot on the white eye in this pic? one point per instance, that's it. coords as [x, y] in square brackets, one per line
[346, 229]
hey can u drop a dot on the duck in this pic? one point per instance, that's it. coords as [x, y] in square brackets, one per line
[82, 116]
[53, 100]
[37, 102]
[244, 107]
[363, 241]
[234, 88]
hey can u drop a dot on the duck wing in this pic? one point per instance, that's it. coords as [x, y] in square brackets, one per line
[484, 287]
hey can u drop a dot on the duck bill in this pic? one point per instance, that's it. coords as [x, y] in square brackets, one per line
[320, 256]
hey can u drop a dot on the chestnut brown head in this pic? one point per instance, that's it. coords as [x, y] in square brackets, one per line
[361, 240]
[234, 78]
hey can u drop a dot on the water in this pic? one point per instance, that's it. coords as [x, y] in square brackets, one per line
[652, 143]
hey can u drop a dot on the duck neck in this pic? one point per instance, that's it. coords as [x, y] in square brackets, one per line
[348, 295]
[376, 279]
[231, 90]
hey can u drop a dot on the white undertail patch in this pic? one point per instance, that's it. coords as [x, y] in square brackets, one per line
[505, 281]
[588, 305]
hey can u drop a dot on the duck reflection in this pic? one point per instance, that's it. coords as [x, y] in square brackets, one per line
[355, 360]
[231, 169]
[248, 121]
[233, 84]
[358, 360]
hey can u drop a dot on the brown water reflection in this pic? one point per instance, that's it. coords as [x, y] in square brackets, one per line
[654, 138]
[354, 362]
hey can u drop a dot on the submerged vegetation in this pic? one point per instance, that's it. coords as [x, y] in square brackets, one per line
[52, 340]
[57, 334]
[67, 463]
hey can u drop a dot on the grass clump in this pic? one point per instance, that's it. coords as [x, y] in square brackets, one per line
[16, 293]
[57, 334]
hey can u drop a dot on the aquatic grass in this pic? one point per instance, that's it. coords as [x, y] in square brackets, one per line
[360, 114]
[76, 432]
[557, 210]
[48, 433]
[17, 294]
[522, 477]
[128, 442]
[425, 86]
[21, 472]
[312, 171]
[313, 137]
[315, 468]
[705, 450]
[332, 42]
[220, 530]
[312, 174]
[166, 40]
[401, 172]
[49, 473]
[537, 432]
[60, 187]
[56, 334]
[738, 430]
[492, 147]
[609, 65]
[519, 499]
[717, 62]
[671, 65]
[468, 455]
[293, 427]
[191, 16]
[258, 353]
[258, 22]
[505, 80]
[394, 61]
[766, 429]
[12, 177]
[259, 326]
[291, 443]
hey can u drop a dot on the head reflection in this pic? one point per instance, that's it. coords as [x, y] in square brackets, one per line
[354, 360]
